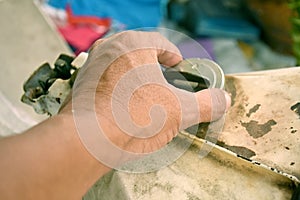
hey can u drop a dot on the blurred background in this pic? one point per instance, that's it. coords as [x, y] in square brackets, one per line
[240, 35]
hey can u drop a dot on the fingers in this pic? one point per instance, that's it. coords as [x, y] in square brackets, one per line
[169, 59]
[211, 103]
[166, 52]
[204, 106]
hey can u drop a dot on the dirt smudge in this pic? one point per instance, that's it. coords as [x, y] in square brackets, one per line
[257, 130]
[243, 151]
[253, 110]
[238, 97]
[230, 87]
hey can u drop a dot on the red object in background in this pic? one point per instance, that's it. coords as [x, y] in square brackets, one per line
[80, 37]
[72, 19]
[82, 31]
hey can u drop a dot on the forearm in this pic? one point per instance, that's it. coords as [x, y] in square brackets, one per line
[47, 162]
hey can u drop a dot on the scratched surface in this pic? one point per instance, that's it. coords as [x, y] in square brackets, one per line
[263, 123]
[219, 175]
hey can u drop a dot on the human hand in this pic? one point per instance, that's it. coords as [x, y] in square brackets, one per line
[121, 92]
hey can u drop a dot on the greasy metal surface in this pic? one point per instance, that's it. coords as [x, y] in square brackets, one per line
[46, 89]
[194, 74]
[264, 118]
[220, 175]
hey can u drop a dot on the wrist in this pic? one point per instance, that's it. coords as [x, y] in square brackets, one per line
[67, 132]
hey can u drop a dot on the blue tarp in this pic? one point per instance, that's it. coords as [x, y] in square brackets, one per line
[132, 13]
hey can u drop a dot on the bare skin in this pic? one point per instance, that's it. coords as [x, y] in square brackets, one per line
[49, 161]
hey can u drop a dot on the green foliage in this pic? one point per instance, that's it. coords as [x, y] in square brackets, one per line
[295, 20]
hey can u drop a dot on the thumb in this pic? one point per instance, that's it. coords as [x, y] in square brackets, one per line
[203, 106]
[213, 103]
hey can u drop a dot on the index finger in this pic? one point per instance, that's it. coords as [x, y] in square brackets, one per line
[169, 58]
[167, 52]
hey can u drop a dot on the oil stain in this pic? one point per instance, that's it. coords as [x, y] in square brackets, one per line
[201, 132]
[253, 110]
[242, 151]
[296, 108]
[230, 87]
[238, 97]
[191, 196]
[293, 131]
[257, 130]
